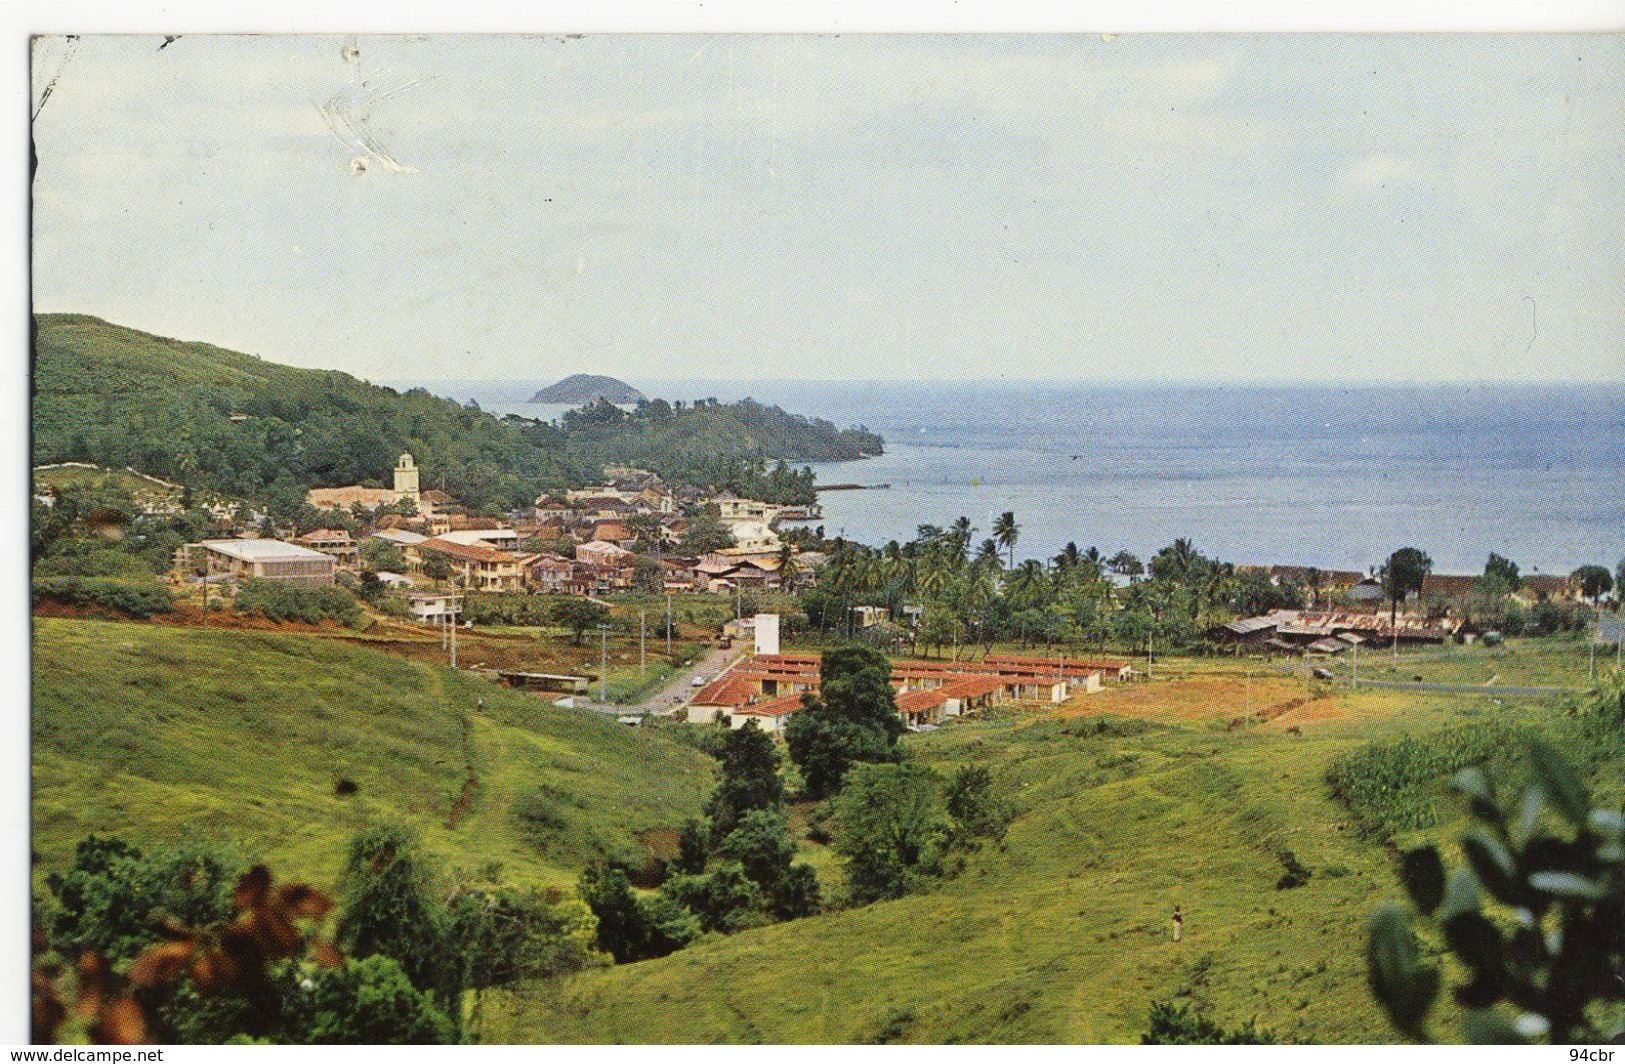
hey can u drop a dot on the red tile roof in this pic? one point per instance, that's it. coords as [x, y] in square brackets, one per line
[468, 551]
[773, 707]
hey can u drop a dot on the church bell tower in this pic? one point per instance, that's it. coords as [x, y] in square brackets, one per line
[406, 479]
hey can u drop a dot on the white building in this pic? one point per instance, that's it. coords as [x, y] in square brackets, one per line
[767, 633]
[431, 607]
[399, 536]
[504, 539]
[267, 559]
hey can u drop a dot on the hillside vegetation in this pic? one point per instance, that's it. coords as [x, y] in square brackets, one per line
[1064, 935]
[161, 734]
[585, 387]
[228, 422]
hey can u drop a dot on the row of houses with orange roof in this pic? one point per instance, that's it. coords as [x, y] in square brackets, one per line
[770, 688]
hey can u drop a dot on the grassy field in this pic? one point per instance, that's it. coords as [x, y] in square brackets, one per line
[1190, 789]
[158, 732]
[1553, 662]
[1132, 801]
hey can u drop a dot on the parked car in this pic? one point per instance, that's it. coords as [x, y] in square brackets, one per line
[698, 681]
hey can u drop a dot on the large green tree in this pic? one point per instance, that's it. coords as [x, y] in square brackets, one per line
[630, 927]
[387, 907]
[1594, 581]
[1501, 576]
[750, 779]
[891, 830]
[852, 719]
[578, 615]
[1403, 575]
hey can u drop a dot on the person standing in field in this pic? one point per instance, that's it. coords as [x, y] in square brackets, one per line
[1179, 924]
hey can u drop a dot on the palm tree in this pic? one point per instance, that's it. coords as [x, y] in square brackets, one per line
[1069, 556]
[1027, 583]
[988, 552]
[1006, 532]
[935, 576]
[788, 570]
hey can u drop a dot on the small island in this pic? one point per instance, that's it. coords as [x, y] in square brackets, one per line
[584, 388]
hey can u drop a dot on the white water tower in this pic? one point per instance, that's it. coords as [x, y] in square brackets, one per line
[767, 633]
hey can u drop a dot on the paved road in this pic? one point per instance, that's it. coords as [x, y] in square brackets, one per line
[676, 691]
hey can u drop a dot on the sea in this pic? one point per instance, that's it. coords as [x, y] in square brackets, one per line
[1336, 477]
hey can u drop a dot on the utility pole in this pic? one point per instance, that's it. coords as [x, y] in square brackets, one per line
[456, 615]
[668, 624]
[643, 657]
[603, 663]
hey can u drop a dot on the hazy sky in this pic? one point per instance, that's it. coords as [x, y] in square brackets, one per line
[1302, 208]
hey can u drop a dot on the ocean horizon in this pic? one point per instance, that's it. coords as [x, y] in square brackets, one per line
[1334, 475]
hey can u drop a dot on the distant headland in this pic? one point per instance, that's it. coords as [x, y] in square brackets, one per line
[584, 388]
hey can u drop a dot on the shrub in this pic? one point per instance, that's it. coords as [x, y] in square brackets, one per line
[372, 1002]
[279, 601]
[1293, 874]
[129, 597]
[1551, 970]
[113, 897]
[633, 928]
[1183, 1025]
[723, 898]
[498, 936]
[891, 829]
[96, 562]
[540, 815]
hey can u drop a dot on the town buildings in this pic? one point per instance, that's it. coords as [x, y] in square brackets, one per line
[332, 541]
[769, 688]
[477, 567]
[263, 559]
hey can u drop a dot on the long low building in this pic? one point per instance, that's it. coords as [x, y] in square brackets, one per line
[267, 559]
[770, 688]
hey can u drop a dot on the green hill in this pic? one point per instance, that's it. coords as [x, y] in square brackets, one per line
[247, 428]
[1064, 934]
[585, 387]
[159, 733]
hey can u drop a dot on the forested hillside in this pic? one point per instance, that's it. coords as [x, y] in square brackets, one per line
[233, 423]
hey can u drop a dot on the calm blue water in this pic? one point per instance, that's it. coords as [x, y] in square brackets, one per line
[1335, 477]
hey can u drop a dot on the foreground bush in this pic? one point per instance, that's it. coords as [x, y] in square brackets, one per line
[1184, 1025]
[278, 601]
[1545, 951]
[372, 1002]
[129, 597]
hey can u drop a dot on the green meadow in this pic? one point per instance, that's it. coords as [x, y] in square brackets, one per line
[1198, 789]
[159, 733]
[1063, 934]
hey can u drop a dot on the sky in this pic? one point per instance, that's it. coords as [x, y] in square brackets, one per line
[1135, 208]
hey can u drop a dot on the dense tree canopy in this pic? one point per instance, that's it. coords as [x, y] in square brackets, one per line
[232, 423]
[853, 718]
